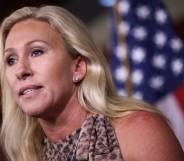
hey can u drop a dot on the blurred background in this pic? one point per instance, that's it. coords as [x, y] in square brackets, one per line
[94, 14]
[98, 19]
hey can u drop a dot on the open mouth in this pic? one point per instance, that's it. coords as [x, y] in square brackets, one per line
[28, 90]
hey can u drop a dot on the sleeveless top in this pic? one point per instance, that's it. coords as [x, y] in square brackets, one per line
[94, 141]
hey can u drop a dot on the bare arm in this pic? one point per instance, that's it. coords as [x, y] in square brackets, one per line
[144, 136]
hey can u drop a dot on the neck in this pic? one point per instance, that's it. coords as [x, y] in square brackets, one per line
[70, 119]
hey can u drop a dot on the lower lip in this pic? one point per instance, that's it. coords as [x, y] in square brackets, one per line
[31, 94]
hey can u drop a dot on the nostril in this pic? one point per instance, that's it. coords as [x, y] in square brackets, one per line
[23, 74]
[23, 69]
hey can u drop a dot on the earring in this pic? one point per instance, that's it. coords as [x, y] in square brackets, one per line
[76, 78]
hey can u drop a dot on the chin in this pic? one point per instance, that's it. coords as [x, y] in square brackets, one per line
[35, 108]
[32, 111]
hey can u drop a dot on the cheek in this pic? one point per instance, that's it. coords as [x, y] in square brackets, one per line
[9, 79]
[10, 86]
[62, 80]
[60, 90]
[59, 73]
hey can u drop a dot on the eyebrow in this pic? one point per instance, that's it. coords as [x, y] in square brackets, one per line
[9, 49]
[27, 44]
[37, 40]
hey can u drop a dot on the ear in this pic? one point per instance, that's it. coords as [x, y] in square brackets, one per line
[79, 70]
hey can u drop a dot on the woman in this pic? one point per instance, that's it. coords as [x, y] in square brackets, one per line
[59, 102]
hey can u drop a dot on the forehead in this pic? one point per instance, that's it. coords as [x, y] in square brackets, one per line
[31, 29]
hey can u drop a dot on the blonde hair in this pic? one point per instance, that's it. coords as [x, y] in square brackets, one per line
[21, 134]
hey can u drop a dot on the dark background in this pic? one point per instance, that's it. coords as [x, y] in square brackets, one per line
[87, 10]
[84, 9]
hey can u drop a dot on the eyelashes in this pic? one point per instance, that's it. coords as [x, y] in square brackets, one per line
[12, 59]
[37, 52]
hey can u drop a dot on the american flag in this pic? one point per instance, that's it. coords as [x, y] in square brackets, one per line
[147, 58]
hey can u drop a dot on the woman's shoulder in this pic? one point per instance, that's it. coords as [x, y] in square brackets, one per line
[137, 117]
[146, 136]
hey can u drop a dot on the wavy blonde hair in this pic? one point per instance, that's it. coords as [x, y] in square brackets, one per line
[21, 134]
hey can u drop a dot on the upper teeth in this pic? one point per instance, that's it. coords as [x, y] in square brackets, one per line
[27, 91]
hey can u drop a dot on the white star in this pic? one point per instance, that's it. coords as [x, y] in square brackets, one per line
[156, 82]
[123, 7]
[121, 51]
[143, 12]
[123, 28]
[160, 39]
[176, 44]
[138, 95]
[122, 92]
[137, 77]
[177, 66]
[138, 55]
[160, 16]
[121, 74]
[139, 33]
[159, 61]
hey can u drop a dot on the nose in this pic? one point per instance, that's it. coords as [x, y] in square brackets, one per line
[23, 70]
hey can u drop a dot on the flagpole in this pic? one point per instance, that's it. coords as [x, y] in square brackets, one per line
[122, 42]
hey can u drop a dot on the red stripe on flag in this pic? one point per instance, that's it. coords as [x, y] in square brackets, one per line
[179, 94]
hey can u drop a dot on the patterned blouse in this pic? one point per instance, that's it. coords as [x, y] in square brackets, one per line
[94, 141]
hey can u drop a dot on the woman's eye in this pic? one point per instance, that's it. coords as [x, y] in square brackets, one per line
[11, 60]
[37, 52]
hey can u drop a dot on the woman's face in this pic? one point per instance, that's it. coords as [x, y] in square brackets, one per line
[38, 68]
